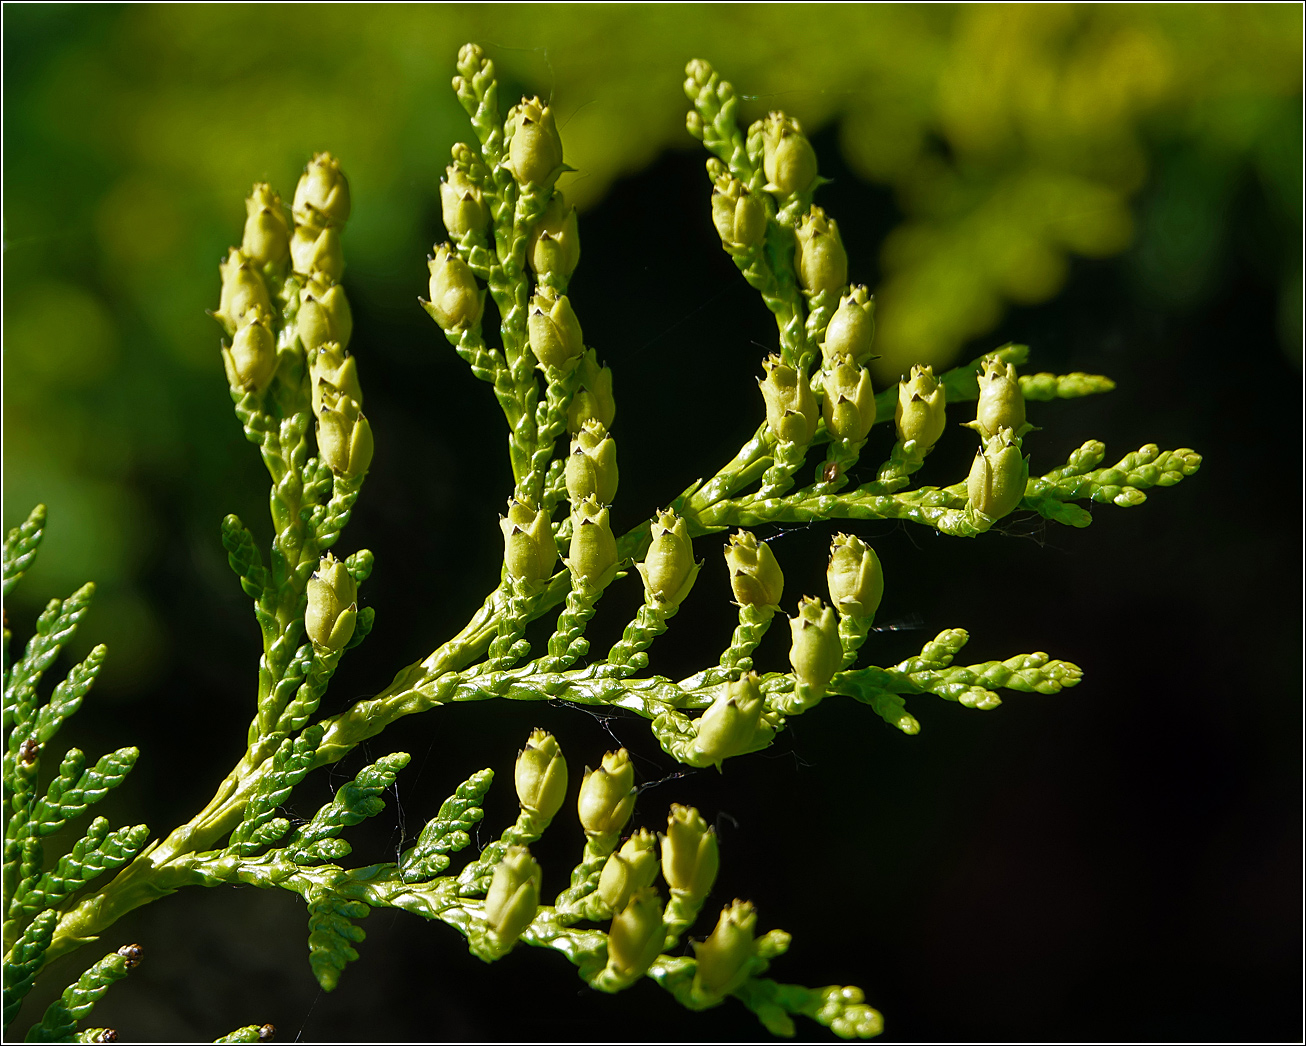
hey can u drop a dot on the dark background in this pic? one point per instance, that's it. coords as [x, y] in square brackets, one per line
[1121, 861]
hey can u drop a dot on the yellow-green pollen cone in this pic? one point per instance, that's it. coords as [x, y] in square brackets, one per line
[822, 262]
[814, 650]
[593, 553]
[456, 298]
[344, 437]
[266, 240]
[607, 795]
[855, 577]
[1001, 403]
[636, 934]
[739, 215]
[998, 476]
[690, 858]
[668, 569]
[593, 400]
[529, 552]
[851, 330]
[251, 359]
[324, 314]
[332, 605]
[732, 723]
[322, 195]
[849, 403]
[787, 157]
[791, 411]
[755, 576]
[554, 246]
[514, 894]
[723, 958]
[317, 252]
[462, 204]
[535, 152]
[591, 469]
[631, 868]
[921, 411]
[553, 330]
[243, 291]
[541, 776]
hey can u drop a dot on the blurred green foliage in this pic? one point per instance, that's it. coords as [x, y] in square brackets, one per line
[1013, 137]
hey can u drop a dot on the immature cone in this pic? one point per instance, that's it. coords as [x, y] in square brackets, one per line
[631, 868]
[529, 552]
[554, 246]
[607, 795]
[591, 470]
[814, 650]
[333, 373]
[322, 195]
[739, 215]
[730, 725]
[318, 252]
[998, 476]
[689, 853]
[787, 156]
[462, 204]
[851, 329]
[535, 152]
[755, 576]
[514, 894]
[553, 329]
[251, 359]
[332, 605]
[791, 411]
[723, 957]
[637, 932]
[456, 299]
[324, 315]
[593, 552]
[243, 290]
[541, 776]
[822, 261]
[593, 400]
[344, 437]
[855, 577]
[267, 236]
[1001, 403]
[921, 411]
[849, 404]
[668, 569]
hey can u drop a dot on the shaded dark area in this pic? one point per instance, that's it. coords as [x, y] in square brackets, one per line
[1121, 861]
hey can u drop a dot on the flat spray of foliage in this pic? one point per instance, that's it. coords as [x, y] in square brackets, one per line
[299, 398]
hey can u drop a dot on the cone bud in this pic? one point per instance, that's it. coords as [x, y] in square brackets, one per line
[535, 151]
[541, 776]
[998, 476]
[1001, 403]
[456, 298]
[739, 215]
[814, 650]
[787, 157]
[593, 400]
[529, 552]
[344, 437]
[243, 290]
[668, 569]
[317, 252]
[324, 315]
[755, 576]
[689, 853]
[591, 470]
[332, 605]
[851, 329]
[267, 235]
[730, 725]
[514, 894]
[631, 868]
[462, 204]
[855, 577]
[791, 411]
[723, 957]
[593, 553]
[554, 246]
[822, 263]
[636, 934]
[251, 360]
[921, 411]
[607, 795]
[553, 330]
[322, 195]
